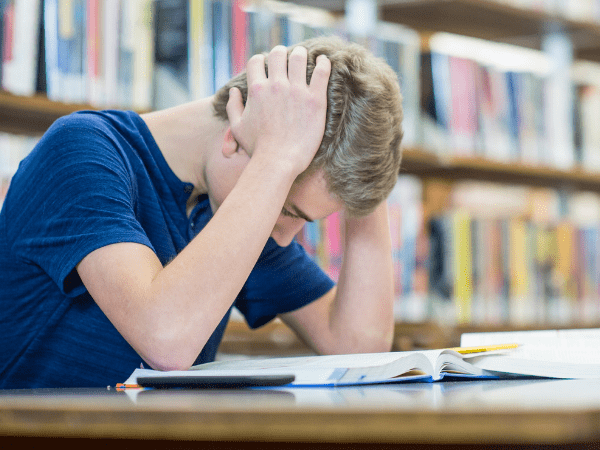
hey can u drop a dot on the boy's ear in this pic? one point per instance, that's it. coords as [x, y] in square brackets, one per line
[230, 145]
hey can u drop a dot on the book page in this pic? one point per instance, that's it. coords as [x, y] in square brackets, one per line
[570, 353]
[545, 364]
[567, 350]
[550, 357]
[352, 369]
[326, 361]
[526, 337]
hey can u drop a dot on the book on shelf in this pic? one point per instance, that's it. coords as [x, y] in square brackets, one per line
[22, 21]
[71, 49]
[153, 54]
[533, 255]
[171, 53]
[470, 108]
[586, 78]
[222, 43]
[3, 37]
[142, 46]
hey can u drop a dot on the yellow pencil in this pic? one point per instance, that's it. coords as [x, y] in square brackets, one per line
[484, 348]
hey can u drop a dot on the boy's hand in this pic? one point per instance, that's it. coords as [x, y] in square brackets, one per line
[284, 118]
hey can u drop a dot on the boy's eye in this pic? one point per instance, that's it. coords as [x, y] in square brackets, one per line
[286, 213]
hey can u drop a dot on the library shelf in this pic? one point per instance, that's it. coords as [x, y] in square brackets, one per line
[34, 115]
[492, 20]
[426, 164]
[31, 115]
[484, 19]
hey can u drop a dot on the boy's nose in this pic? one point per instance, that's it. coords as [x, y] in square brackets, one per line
[285, 235]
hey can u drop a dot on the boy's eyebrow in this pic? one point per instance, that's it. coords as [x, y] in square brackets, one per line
[300, 213]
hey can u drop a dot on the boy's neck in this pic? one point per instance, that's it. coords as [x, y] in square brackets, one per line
[186, 135]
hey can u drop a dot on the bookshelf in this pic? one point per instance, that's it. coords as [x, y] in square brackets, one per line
[492, 20]
[31, 115]
[421, 162]
[485, 19]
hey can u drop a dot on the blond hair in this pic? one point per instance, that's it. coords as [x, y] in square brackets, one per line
[360, 153]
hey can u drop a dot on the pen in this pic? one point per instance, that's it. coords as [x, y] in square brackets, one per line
[120, 386]
[483, 348]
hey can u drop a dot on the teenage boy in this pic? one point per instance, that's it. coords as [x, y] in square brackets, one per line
[127, 239]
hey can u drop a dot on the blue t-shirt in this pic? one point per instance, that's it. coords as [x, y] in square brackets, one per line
[94, 179]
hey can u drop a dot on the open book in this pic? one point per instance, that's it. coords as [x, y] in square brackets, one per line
[548, 354]
[346, 370]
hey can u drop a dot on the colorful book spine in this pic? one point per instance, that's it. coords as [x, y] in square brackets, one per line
[20, 50]
[239, 33]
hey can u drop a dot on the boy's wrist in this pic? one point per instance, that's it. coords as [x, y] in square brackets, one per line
[275, 167]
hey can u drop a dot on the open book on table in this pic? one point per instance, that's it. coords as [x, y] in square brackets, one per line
[549, 354]
[347, 370]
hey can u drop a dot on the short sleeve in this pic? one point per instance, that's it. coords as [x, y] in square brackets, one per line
[73, 194]
[283, 280]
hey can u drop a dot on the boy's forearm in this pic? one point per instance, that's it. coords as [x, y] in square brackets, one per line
[362, 318]
[214, 266]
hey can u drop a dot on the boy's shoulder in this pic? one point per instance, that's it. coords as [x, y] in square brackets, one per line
[94, 120]
[108, 128]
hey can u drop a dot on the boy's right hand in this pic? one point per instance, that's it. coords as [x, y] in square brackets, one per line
[283, 121]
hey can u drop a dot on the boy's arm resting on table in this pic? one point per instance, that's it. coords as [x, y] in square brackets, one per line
[168, 314]
[357, 315]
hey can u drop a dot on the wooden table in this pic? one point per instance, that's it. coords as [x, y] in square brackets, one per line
[474, 414]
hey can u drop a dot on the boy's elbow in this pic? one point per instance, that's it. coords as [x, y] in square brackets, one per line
[165, 366]
[169, 362]
[169, 354]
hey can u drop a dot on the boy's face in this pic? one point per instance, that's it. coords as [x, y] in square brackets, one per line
[308, 199]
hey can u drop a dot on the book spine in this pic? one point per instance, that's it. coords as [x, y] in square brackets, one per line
[463, 120]
[51, 49]
[222, 42]
[126, 52]
[111, 29]
[78, 57]
[461, 233]
[8, 19]
[94, 60]
[239, 33]
[200, 70]
[19, 72]
[143, 59]
[519, 273]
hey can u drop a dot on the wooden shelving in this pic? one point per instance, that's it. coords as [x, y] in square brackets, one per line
[31, 115]
[426, 164]
[492, 20]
